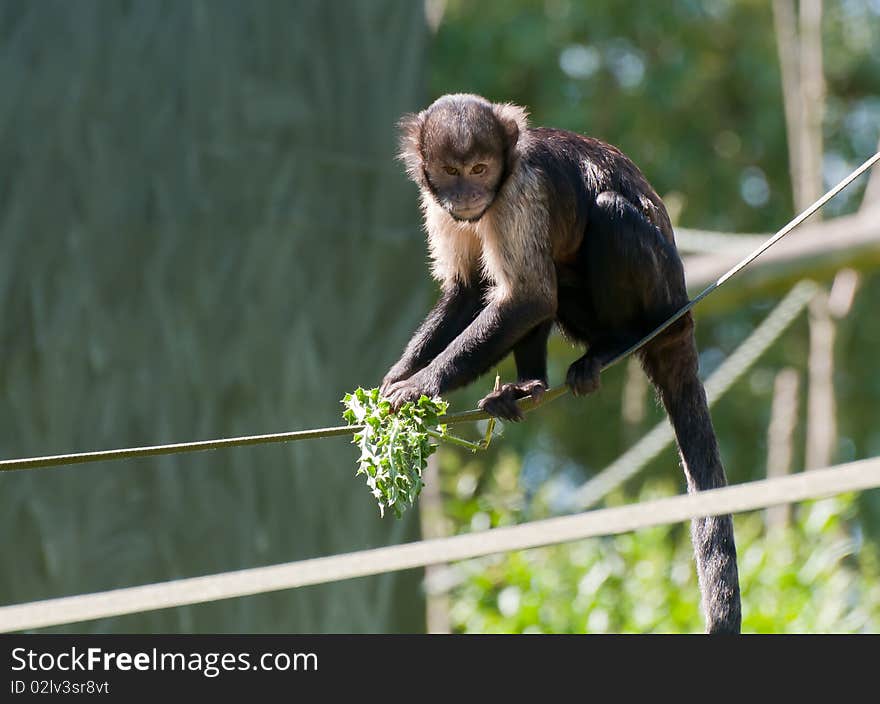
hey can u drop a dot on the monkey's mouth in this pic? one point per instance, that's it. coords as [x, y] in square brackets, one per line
[466, 214]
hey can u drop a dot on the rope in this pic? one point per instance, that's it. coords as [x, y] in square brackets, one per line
[633, 460]
[526, 404]
[815, 484]
[177, 448]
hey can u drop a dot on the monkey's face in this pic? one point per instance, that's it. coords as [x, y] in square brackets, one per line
[463, 147]
[465, 186]
[460, 150]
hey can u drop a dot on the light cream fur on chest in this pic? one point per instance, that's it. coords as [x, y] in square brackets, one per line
[509, 245]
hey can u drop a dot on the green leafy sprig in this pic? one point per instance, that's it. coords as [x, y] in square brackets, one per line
[394, 446]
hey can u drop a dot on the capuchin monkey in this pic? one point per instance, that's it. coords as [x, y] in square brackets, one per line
[531, 227]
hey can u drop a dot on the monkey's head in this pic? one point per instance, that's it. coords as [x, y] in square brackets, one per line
[460, 150]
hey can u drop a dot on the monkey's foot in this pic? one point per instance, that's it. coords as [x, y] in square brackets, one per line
[502, 403]
[583, 375]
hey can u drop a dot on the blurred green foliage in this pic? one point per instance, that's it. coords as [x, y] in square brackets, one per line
[691, 91]
[817, 575]
[814, 577]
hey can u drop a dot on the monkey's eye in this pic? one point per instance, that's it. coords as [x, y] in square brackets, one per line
[451, 170]
[478, 169]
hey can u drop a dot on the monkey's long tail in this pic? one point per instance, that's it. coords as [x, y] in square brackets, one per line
[714, 546]
[674, 372]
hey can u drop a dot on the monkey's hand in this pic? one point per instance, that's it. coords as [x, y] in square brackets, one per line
[583, 375]
[399, 392]
[399, 372]
[502, 403]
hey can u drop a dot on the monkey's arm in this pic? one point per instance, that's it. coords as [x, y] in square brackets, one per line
[530, 354]
[456, 309]
[491, 335]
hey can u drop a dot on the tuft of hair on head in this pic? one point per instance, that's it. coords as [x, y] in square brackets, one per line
[410, 148]
[514, 119]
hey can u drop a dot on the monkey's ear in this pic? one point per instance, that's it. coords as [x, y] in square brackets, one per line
[513, 118]
[410, 144]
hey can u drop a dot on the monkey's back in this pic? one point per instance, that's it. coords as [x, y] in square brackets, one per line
[579, 168]
[620, 273]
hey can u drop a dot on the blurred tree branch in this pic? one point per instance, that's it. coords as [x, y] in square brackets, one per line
[433, 526]
[812, 102]
[803, 91]
[786, 43]
[780, 438]
[871, 199]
